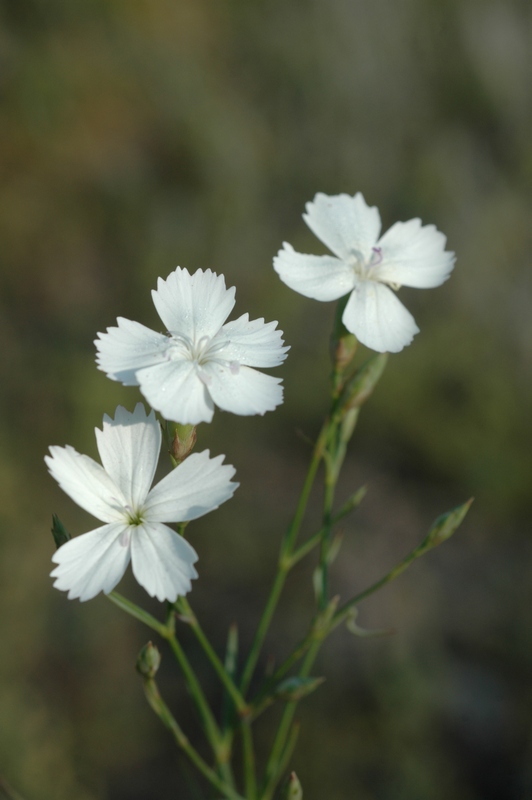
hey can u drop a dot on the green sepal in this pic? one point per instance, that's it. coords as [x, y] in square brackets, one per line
[293, 689]
[184, 438]
[59, 532]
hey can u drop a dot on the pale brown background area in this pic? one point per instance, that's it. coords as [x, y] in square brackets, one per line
[136, 136]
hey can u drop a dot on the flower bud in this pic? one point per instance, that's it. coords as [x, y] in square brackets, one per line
[59, 532]
[363, 382]
[148, 661]
[344, 350]
[293, 789]
[183, 443]
[444, 527]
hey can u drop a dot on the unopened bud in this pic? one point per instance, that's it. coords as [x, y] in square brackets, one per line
[184, 440]
[363, 382]
[148, 661]
[444, 526]
[293, 789]
[59, 532]
[344, 350]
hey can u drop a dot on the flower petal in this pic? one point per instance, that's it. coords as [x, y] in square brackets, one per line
[197, 486]
[174, 389]
[129, 447]
[254, 343]
[378, 319]
[162, 561]
[127, 348]
[193, 305]
[319, 277]
[87, 483]
[91, 563]
[347, 225]
[243, 390]
[414, 255]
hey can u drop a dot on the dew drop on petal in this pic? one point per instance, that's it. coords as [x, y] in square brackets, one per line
[234, 366]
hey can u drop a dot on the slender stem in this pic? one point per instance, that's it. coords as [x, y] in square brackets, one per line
[314, 540]
[330, 485]
[305, 548]
[343, 612]
[139, 613]
[262, 628]
[219, 746]
[250, 779]
[209, 723]
[291, 742]
[261, 701]
[230, 666]
[165, 715]
[317, 455]
[277, 760]
[284, 561]
[241, 705]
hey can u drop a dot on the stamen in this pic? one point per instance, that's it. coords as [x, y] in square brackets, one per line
[376, 258]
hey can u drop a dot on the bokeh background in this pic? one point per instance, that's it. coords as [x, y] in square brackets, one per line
[138, 135]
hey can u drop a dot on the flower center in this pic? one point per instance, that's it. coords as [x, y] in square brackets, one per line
[201, 352]
[134, 516]
[364, 267]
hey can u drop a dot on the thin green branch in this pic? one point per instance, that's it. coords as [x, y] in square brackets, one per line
[283, 740]
[165, 715]
[248, 757]
[135, 611]
[210, 725]
[284, 561]
[241, 705]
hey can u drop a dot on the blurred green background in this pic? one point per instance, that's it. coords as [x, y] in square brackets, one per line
[137, 135]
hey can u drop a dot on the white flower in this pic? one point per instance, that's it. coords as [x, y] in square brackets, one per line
[118, 493]
[407, 255]
[200, 362]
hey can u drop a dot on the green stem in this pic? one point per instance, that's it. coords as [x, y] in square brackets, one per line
[219, 746]
[330, 486]
[262, 701]
[343, 612]
[209, 723]
[284, 561]
[262, 628]
[291, 742]
[163, 712]
[305, 548]
[277, 761]
[250, 779]
[139, 613]
[241, 705]
[314, 540]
